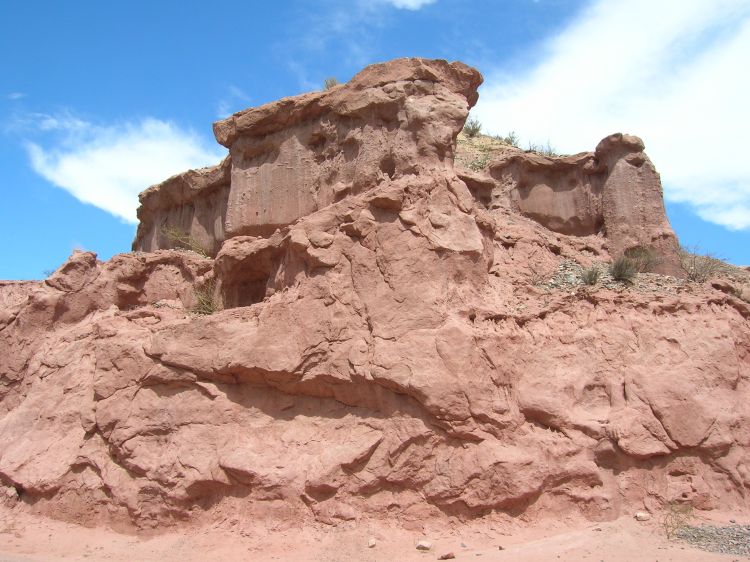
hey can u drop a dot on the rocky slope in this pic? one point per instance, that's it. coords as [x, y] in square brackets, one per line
[385, 339]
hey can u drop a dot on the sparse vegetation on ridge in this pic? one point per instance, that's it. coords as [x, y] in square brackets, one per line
[475, 139]
[472, 128]
[510, 139]
[698, 267]
[543, 150]
[480, 162]
[329, 83]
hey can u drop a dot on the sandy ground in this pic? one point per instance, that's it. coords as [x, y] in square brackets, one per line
[28, 538]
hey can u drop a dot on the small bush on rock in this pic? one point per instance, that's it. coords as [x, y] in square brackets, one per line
[472, 128]
[329, 83]
[206, 300]
[511, 139]
[623, 269]
[182, 240]
[590, 276]
[697, 266]
[543, 150]
[645, 259]
[479, 163]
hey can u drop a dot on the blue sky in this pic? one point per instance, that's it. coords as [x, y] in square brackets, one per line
[99, 100]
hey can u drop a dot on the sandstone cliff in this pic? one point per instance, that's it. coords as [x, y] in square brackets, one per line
[389, 345]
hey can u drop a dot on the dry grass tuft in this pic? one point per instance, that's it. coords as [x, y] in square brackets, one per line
[624, 269]
[207, 300]
[182, 240]
[676, 516]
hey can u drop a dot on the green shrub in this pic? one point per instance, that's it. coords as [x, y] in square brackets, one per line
[206, 299]
[479, 163]
[329, 83]
[472, 128]
[543, 150]
[590, 276]
[697, 266]
[645, 259]
[511, 139]
[623, 269]
[182, 240]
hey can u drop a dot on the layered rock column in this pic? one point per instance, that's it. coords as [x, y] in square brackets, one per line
[292, 157]
[614, 191]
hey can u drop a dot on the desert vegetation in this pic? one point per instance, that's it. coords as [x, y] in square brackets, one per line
[645, 259]
[590, 276]
[699, 267]
[624, 269]
[676, 516]
[182, 240]
[207, 300]
[510, 139]
[472, 128]
[543, 149]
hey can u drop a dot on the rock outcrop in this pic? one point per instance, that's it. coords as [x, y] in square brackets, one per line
[614, 191]
[297, 155]
[384, 347]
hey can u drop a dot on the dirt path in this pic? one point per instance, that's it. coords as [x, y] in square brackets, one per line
[26, 538]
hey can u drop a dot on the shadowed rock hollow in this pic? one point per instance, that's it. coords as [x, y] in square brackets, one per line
[385, 348]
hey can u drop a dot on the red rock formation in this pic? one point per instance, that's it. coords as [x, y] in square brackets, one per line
[614, 191]
[385, 349]
[297, 155]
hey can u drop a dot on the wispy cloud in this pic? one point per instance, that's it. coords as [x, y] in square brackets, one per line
[671, 72]
[406, 4]
[63, 121]
[15, 96]
[108, 166]
[347, 27]
[234, 99]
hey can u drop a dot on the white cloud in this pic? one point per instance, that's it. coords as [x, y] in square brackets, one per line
[66, 122]
[672, 72]
[409, 4]
[15, 96]
[109, 166]
[350, 29]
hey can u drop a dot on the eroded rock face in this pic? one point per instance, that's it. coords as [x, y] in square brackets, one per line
[194, 202]
[297, 155]
[384, 352]
[615, 191]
